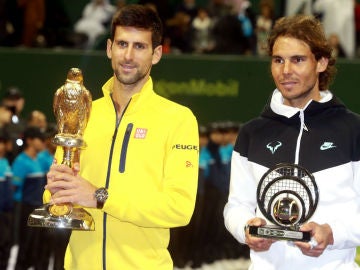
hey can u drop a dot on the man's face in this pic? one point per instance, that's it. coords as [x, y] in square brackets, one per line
[132, 55]
[2, 148]
[38, 120]
[37, 143]
[296, 71]
[17, 104]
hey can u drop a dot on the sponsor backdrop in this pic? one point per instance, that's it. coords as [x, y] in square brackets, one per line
[216, 88]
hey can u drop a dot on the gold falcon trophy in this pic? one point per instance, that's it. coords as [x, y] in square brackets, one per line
[72, 106]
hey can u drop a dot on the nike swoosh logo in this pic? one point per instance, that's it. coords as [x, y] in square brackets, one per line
[327, 145]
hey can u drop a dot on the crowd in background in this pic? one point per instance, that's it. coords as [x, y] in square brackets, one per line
[26, 154]
[217, 27]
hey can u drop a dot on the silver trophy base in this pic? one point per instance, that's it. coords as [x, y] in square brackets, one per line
[279, 233]
[68, 140]
[77, 219]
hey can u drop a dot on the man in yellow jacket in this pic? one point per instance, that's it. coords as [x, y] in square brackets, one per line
[141, 155]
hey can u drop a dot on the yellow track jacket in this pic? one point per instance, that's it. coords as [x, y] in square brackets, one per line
[148, 161]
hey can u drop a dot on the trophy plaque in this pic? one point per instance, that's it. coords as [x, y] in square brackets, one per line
[72, 106]
[287, 196]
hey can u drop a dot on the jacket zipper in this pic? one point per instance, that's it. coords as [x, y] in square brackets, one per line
[106, 186]
[302, 128]
[117, 124]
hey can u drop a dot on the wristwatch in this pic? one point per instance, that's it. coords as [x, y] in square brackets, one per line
[101, 196]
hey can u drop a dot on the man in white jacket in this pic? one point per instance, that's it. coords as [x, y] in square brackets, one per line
[312, 129]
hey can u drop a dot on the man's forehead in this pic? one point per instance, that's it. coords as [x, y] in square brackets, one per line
[290, 46]
[132, 29]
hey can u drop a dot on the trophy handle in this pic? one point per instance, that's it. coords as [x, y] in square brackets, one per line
[68, 156]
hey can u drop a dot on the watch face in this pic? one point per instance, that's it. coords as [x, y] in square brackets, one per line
[101, 194]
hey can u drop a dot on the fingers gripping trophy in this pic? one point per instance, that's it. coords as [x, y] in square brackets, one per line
[72, 106]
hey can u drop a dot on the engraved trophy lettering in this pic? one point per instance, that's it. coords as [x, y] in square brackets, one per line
[287, 196]
[72, 106]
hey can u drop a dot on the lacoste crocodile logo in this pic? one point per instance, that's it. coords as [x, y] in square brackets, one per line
[273, 146]
[327, 145]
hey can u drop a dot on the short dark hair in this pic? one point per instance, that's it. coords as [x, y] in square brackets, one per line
[139, 16]
[13, 93]
[33, 132]
[308, 29]
[4, 135]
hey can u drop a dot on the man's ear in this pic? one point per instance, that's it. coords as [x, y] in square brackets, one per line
[322, 64]
[108, 48]
[157, 55]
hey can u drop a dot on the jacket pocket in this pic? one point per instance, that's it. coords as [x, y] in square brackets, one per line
[124, 147]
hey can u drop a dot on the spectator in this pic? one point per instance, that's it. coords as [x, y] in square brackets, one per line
[164, 8]
[189, 7]
[264, 24]
[335, 44]
[34, 18]
[46, 156]
[218, 8]
[6, 205]
[234, 33]
[179, 25]
[37, 119]
[215, 161]
[57, 28]
[5, 23]
[201, 31]
[14, 101]
[246, 16]
[29, 179]
[293, 7]
[95, 18]
[178, 31]
[5, 116]
[5, 121]
[338, 17]
[11, 23]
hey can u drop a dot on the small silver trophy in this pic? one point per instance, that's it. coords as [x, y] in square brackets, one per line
[287, 196]
[72, 106]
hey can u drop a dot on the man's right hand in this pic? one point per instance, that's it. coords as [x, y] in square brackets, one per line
[257, 243]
